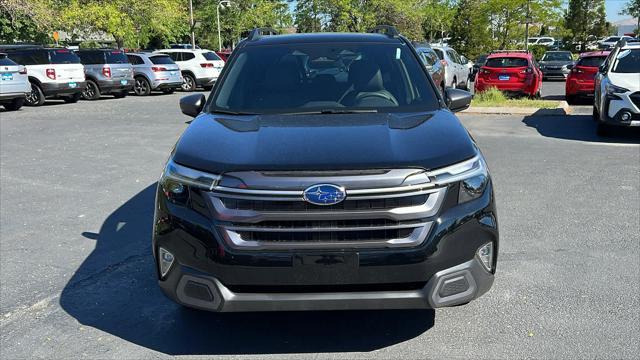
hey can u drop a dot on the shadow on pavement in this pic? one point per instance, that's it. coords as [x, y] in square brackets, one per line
[579, 127]
[115, 291]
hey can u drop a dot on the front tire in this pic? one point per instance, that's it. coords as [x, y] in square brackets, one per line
[454, 85]
[141, 86]
[35, 97]
[15, 104]
[92, 91]
[189, 83]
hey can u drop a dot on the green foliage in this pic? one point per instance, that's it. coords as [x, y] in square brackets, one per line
[26, 21]
[91, 44]
[632, 8]
[584, 18]
[470, 30]
[237, 18]
[538, 51]
[492, 95]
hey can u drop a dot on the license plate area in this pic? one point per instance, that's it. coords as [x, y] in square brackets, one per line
[504, 77]
[73, 85]
[123, 82]
[327, 263]
[6, 77]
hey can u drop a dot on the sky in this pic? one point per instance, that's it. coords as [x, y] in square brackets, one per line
[613, 8]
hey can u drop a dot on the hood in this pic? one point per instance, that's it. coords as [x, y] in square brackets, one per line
[629, 81]
[223, 143]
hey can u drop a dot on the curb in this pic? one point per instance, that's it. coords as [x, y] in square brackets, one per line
[562, 109]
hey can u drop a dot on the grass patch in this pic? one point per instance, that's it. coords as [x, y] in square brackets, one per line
[495, 98]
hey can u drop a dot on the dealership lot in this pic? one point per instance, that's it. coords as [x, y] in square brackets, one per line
[77, 275]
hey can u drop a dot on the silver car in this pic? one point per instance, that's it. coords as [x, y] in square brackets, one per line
[107, 72]
[14, 83]
[154, 72]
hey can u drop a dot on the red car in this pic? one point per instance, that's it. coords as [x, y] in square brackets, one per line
[224, 54]
[510, 71]
[580, 81]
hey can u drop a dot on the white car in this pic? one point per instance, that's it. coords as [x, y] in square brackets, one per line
[52, 72]
[617, 88]
[611, 41]
[542, 40]
[200, 68]
[14, 83]
[456, 71]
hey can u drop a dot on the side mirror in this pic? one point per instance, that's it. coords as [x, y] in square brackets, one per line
[458, 100]
[192, 105]
[602, 68]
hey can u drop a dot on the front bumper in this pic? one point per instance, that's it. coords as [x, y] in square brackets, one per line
[209, 274]
[63, 88]
[616, 105]
[192, 289]
[555, 73]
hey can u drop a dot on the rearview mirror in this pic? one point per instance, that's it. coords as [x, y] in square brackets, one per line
[458, 100]
[192, 105]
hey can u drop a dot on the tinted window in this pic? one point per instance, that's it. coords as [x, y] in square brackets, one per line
[506, 62]
[557, 56]
[91, 57]
[440, 53]
[135, 60]
[6, 61]
[344, 76]
[116, 57]
[187, 56]
[30, 57]
[482, 59]
[612, 39]
[161, 60]
[593, 61]
[211, 56]
[627, 61]
[63, 56]
[454, 56]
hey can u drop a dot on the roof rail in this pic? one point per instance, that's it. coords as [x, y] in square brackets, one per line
[256, 33]
[388, 30]
[509, 51]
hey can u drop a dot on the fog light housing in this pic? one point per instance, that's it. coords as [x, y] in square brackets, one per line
[165, 259]
[485, 254]
[625, 116]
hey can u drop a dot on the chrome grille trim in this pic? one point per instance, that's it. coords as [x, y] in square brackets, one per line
[324, 229]
[428, 209]
[416, 238]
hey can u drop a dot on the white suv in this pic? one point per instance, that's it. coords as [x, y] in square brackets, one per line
[54, 72]
[456, 71]
[617, 88]
[14, 84]
[200, 68]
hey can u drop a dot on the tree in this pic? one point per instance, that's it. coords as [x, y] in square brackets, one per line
[470, 30]
[131, 23]
[26, 21]
[632, 8]
[584, 18]
[438, 18]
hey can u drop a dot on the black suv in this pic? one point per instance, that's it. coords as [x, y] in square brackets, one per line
[325, 172]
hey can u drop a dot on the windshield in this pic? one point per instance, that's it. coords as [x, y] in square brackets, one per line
[628, 61]
[211, 56]
[612, 39]
[337, 77]
[592, 61]
[63, 56]
[116, 57]
[557, 56]
[161, 60]
[506, 62]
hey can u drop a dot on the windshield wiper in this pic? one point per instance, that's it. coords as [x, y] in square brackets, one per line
[333, 111]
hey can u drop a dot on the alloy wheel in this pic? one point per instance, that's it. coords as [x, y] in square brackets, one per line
[33, 96]
[89, 92]
[140, 87]
[187, 84]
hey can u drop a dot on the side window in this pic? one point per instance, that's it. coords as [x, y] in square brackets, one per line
[135, 60]
[428, 58]
[187, 56]
[454, 56]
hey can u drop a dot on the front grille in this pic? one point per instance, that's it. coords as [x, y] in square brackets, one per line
[262, 219]
[373, 204]
[635, 98]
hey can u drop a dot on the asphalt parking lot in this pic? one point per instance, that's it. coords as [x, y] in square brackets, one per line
[77, 280]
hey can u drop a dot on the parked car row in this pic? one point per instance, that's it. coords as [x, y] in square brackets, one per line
[31, 74]
[448, 69]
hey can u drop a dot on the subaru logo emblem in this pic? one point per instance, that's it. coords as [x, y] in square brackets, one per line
[324, 194]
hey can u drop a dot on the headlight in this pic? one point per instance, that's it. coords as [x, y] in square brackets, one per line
[611, 89]
[176, 178]
[472, 175]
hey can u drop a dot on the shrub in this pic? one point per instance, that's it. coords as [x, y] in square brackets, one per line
[538, 51]
[490, 95]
